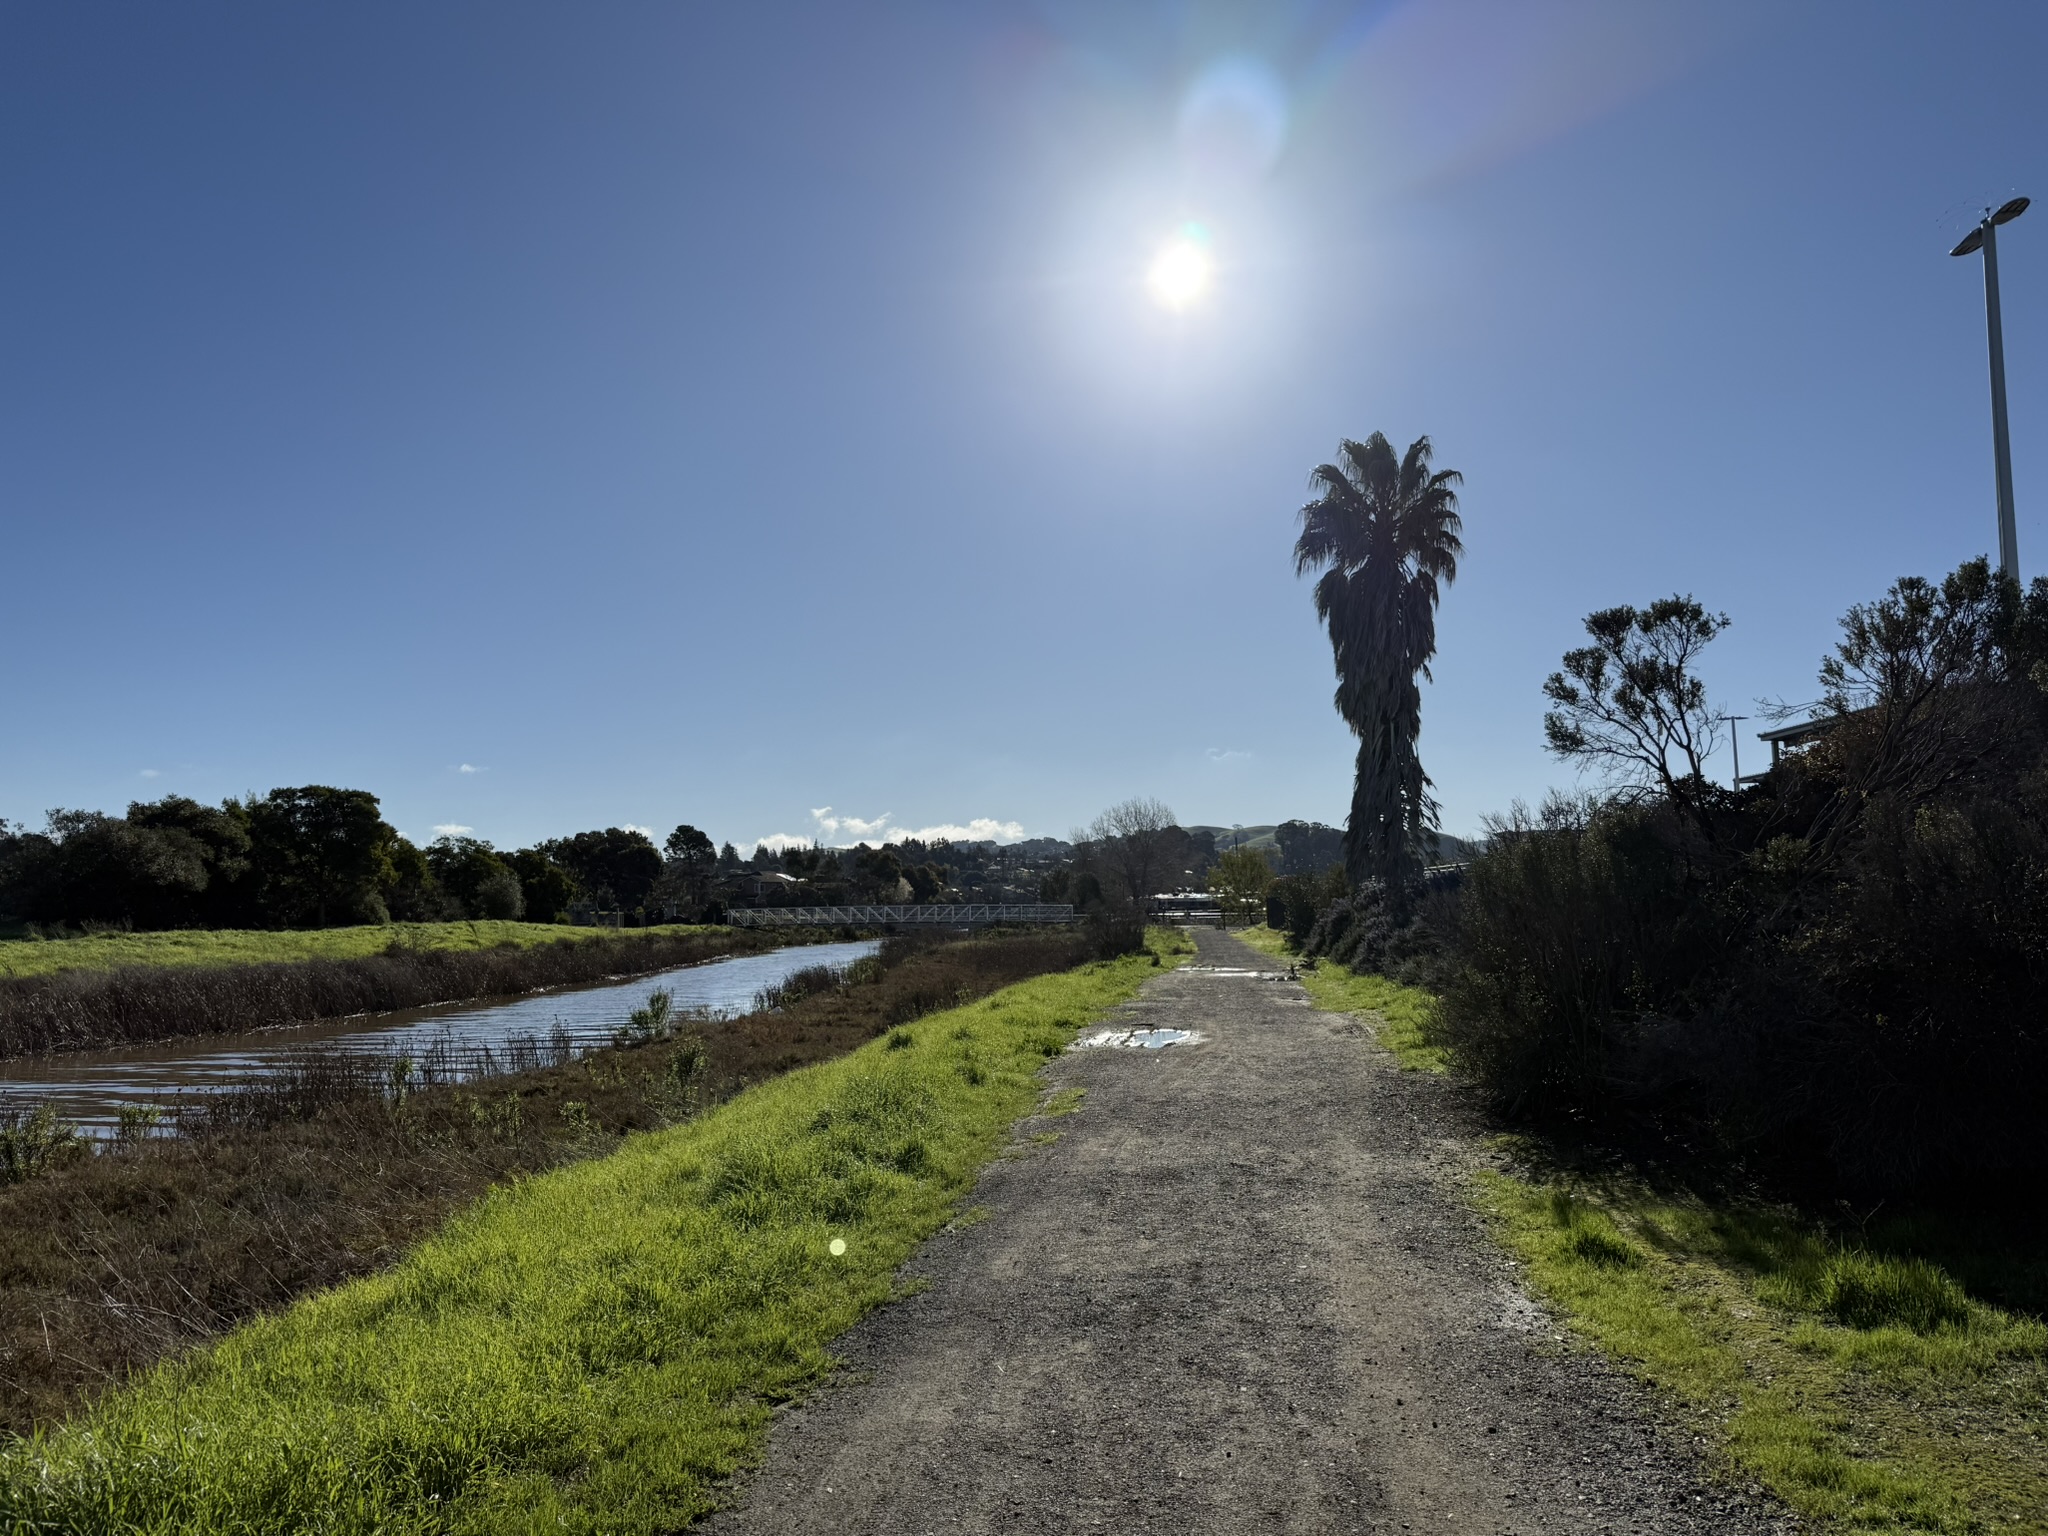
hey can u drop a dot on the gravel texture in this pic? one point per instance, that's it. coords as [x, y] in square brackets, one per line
[1242, 1291]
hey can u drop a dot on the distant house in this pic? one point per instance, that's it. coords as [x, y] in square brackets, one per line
[1791, 738]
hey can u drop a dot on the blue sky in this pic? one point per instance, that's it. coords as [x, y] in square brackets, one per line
[553, 416]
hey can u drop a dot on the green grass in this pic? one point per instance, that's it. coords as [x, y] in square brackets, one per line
[236, 946]
[591, 1349]
[1861, 1383]
[1398, 1012]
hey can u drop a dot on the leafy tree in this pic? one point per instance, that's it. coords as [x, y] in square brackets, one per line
[87, 867]
[1241, 878]
[545, 887]
[1307, 847]
[618, 865]
[689, 846]
[475, 874]
[1384, 532]
[413, 894]
[926, 881]
[219, 837]
[322, 855]
[1633, 704]
[692, 863]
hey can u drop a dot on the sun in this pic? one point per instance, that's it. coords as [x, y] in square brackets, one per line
[1180, 272]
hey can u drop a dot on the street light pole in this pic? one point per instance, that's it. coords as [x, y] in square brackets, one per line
[1735, 745]
[1985, 238]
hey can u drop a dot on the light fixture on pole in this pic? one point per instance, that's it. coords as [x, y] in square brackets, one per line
[1985, 238]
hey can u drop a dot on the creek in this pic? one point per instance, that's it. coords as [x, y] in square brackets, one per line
[462, 1040]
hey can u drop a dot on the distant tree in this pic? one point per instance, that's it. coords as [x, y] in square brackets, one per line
[728, 859]
[88, 867]
[618, 865]
[692, 862]
[413, 895]
[687, 845]
[1307, 847]
[877, 874]
[545, 887]
[322, 855]
[1241, 878]
[1133, 840]
[1632, 704]
[219, 836]
[1384, 532]
[478, 876]
[927, 881]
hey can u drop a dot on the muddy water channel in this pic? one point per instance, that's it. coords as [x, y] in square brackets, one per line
[459, 1039]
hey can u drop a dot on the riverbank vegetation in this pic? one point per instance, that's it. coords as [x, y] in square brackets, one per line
[259, 946]
[75, 1009]
[594, 1347]
[202, 1215]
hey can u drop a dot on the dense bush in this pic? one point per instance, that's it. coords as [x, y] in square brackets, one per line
[1840, 968]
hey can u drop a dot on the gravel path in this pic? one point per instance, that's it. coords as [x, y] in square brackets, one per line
[1240, 1293]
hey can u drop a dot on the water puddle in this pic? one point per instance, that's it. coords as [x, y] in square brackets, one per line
[89, 1087]
[1137, 1039]
[1233, 970]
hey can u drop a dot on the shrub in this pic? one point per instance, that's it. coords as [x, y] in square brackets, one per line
[1839, 970]
[32, 1140]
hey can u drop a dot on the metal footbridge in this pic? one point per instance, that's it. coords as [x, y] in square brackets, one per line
[958, 914]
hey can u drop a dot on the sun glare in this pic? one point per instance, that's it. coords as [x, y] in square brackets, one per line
[1180, 273]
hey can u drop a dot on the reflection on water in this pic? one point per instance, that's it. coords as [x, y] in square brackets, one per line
[90, 1087]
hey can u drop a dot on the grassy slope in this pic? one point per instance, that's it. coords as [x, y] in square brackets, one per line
[591, 1349]
[1867, 1390]
[236, 946]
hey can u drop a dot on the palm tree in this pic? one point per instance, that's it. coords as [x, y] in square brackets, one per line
[1384, 533]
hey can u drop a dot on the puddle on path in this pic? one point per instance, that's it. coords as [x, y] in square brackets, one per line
[1233, 970]
[1137, 1039]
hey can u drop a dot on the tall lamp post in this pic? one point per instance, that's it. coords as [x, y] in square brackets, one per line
[1985, 238]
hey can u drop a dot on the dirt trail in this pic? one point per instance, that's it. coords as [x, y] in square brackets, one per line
[1240, 1293]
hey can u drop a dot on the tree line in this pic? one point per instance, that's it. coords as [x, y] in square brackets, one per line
[315, 856]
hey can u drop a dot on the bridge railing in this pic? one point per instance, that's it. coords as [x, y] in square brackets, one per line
[960, 914]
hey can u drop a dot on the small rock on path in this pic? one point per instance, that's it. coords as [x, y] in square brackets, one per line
[1242, 1292]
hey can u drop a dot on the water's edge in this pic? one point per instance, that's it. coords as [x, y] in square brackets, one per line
[90, 1087]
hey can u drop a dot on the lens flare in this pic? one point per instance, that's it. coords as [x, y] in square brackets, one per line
[1180, 272]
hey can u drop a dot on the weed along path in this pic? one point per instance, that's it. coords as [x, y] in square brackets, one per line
[1229, 1284]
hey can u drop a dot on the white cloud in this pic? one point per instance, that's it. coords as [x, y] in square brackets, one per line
[470, 768]
[646, 832]
[452, 829]
[151, 773]
[1230, 755]
[885, 829]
